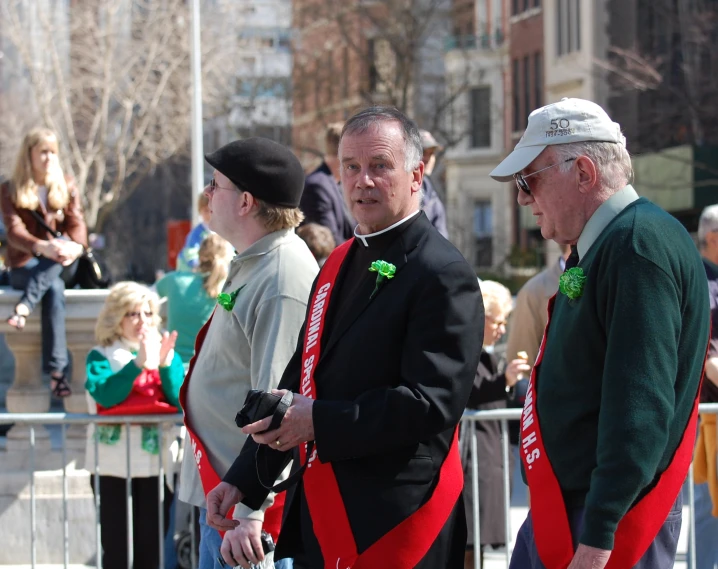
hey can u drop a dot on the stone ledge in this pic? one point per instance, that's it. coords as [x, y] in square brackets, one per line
[80, 304]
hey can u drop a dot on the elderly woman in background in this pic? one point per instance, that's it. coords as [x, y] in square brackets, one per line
[38, 191]
[192, 296]
[490, 391]
[134, 370]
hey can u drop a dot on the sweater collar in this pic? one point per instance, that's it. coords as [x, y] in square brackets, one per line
[604, 215]
[265, 245]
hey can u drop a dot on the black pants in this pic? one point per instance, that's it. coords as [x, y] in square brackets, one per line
[145, 521]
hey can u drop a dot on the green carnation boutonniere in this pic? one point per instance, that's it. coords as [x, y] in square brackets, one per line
[384, 270]
[227, 299]
[571, 283]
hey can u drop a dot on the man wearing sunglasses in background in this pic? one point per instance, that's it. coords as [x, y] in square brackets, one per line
[609, 420]
[253, 201]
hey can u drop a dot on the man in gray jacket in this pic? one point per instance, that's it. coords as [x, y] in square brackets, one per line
[253, 199]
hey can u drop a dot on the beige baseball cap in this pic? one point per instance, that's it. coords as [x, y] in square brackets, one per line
[569, 120]
[427, 140]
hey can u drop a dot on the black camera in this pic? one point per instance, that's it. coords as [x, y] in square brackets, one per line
[259, 404]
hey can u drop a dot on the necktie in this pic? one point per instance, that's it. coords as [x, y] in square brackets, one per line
[572, 260]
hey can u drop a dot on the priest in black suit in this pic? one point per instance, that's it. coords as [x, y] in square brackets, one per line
[381, 375]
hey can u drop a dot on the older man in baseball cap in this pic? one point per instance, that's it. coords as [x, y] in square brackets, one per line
[253, 199]
[610, 415]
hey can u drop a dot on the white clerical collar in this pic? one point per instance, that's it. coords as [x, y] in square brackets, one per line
[363, 238]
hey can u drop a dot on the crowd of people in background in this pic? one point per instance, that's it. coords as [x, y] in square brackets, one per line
[236, 303]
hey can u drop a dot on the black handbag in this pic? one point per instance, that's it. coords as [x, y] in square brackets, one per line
[87, 271]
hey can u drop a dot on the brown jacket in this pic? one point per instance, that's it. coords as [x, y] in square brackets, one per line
[530, 314]
[24, 231]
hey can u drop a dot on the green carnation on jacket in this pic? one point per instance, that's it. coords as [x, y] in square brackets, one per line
[384, 270]
[227, 300]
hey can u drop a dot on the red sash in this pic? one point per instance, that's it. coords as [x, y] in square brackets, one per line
[210, 479]
[405, 545]
[146, 398]
[636, 530]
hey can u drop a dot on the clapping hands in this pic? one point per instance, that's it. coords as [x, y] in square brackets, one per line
[155, 348]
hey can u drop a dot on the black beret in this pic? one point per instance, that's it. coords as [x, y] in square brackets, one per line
[262, 167]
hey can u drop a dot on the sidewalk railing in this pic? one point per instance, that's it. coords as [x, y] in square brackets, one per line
[64, 419]
[32, 420]
[506, 415]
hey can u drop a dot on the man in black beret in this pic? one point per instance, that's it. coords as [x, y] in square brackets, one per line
[381, 375]
[253, 198]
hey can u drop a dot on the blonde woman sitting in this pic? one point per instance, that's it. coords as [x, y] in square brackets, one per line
[192, 296]
[39, 193]
[134, 370]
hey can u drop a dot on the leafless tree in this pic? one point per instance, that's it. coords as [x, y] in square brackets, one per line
[670, 68]
[112, 78]
[396, 48]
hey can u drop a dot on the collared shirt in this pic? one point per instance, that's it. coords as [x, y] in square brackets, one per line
[603, 216]
[363, 238]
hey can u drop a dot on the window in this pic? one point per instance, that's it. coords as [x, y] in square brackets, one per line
[568, 26]
[331, 78]
[480, 101]
[345, 72]
[527, 92]
[516, 98]
[520, 6]
[482, 233]
[538, 80]
[371, 59]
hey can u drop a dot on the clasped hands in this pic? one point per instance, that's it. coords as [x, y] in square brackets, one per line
[297, 427]
[61, 251]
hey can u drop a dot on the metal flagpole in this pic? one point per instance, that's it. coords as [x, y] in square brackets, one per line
[197, 140]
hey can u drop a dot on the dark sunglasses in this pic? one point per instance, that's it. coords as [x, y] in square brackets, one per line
[523, 185]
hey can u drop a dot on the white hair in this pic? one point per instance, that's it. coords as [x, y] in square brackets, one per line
[497, 298]
[708, 222]
[613, 162]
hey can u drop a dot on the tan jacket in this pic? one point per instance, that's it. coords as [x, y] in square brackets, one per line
[24, 231]
[530, 315]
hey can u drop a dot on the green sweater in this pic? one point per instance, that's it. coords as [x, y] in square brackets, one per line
[109, 389]
[622, 365]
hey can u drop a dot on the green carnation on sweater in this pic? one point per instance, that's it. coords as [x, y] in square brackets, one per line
[571, 283]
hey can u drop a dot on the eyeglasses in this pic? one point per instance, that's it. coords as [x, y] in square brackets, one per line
[137, 315]
[521, 183]
[495, 322]
[214, 186]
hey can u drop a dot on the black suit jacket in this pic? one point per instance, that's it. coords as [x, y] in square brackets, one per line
[322, 202]
[392, 382]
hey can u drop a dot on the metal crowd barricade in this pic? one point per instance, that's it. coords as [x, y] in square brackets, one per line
[504, 416]
[64, 419]
[469, 419]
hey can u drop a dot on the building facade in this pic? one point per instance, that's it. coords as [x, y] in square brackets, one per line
[262, 103]
[478, 208]
[348, 55]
